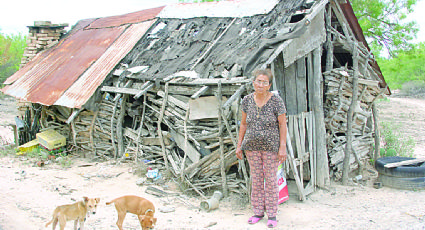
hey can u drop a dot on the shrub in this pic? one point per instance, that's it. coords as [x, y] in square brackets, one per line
[394, 143]
[413, 88]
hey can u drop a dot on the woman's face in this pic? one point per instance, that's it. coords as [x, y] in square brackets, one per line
[261, 84]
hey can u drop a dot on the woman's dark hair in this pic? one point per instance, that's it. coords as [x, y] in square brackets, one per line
[266, 72]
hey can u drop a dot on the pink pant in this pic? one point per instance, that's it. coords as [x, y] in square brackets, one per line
[264, 194]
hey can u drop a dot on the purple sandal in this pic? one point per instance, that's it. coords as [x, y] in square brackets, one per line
[271, 223]
[254, 219]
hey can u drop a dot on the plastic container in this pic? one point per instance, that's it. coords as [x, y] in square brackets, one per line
[51, 139]
[213, 202]
[29, 146]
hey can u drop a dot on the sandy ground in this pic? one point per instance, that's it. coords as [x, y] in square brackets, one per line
[28, 194]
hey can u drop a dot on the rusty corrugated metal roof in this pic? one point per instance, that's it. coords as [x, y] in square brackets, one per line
[69, 73]
[75, 97]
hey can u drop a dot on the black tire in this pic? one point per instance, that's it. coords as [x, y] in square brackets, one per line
[403, 183]
[407, 171]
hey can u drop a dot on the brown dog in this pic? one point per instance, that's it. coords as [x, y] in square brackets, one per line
[143, 208]
[76, 211]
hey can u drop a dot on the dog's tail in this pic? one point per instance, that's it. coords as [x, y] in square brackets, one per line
[48, 223]
[53, 217]
[110, 202]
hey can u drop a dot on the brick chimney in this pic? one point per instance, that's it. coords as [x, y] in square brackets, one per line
[41, 36]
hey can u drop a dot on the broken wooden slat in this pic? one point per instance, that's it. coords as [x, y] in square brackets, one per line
[200, 92]
[145, 87]
[406, 162]
[121, 90]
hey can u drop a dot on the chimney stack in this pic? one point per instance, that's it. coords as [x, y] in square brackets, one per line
[41, 36]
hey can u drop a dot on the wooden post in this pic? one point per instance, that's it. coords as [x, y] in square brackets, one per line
[329, 45]
[114, 110]
[350, 113]
[376, 130]
[220, 137]
[186, 118]
[120, 121]
[322, 169]
[242, 162]
[161, 116]
[142, 120]
[15, 135]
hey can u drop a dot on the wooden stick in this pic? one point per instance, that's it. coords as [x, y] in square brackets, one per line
[350, 113]
[120, 121]
[92, 128]
[376, 131]
[141, 126]
[112, 126]
[185, 145]
[293, 166]
[220, 137]
[200, 92]
[161, 116]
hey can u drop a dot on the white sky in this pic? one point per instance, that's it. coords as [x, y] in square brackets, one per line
[16, 15]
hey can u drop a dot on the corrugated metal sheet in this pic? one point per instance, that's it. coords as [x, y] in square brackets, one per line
[234, 9]
[139, 16]
[75, 97]
[71, 71]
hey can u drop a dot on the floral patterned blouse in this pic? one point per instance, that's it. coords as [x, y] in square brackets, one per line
[262, 131]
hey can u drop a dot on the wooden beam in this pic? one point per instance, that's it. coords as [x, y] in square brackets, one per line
[236, 95]
[121, 90]
[406, 162]
[200, 92]
[145, 87]
[322, 169]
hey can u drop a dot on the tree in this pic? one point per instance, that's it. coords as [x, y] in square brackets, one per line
[408, 66]
[383, 26]
[11, 50]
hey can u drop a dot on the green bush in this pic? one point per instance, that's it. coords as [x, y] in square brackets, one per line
[413, 88]
[394, 143]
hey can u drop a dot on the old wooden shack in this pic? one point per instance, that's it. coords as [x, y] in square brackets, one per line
[163, 86]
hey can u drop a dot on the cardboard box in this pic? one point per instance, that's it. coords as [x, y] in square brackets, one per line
[51, 139]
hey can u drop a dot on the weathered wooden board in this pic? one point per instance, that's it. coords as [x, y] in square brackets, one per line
[203, 108]
[191, 151]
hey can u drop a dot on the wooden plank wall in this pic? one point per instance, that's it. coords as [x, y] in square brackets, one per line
[300, 86]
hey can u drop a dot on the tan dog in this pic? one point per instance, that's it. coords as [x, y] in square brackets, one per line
[143, 208]
[76, 211]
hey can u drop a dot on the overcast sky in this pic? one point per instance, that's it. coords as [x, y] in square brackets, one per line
[16, 15]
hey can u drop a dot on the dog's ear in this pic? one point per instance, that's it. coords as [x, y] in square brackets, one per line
[97, 200]
[85, 199]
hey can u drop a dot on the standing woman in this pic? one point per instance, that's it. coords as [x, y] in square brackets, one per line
[262, 136]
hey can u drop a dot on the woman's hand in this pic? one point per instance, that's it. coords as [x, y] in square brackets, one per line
[281, 155]
[239, 153]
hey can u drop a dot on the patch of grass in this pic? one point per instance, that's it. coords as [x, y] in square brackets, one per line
[395, 143]
[7, 150]
[383, 99]
[64, 161]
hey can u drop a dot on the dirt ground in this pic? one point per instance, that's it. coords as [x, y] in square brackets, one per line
[28, 193]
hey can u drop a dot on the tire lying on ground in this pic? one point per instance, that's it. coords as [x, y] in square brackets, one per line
[402, 177]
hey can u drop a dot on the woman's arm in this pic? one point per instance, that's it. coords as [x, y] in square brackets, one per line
[242, 131]
[282, 137]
